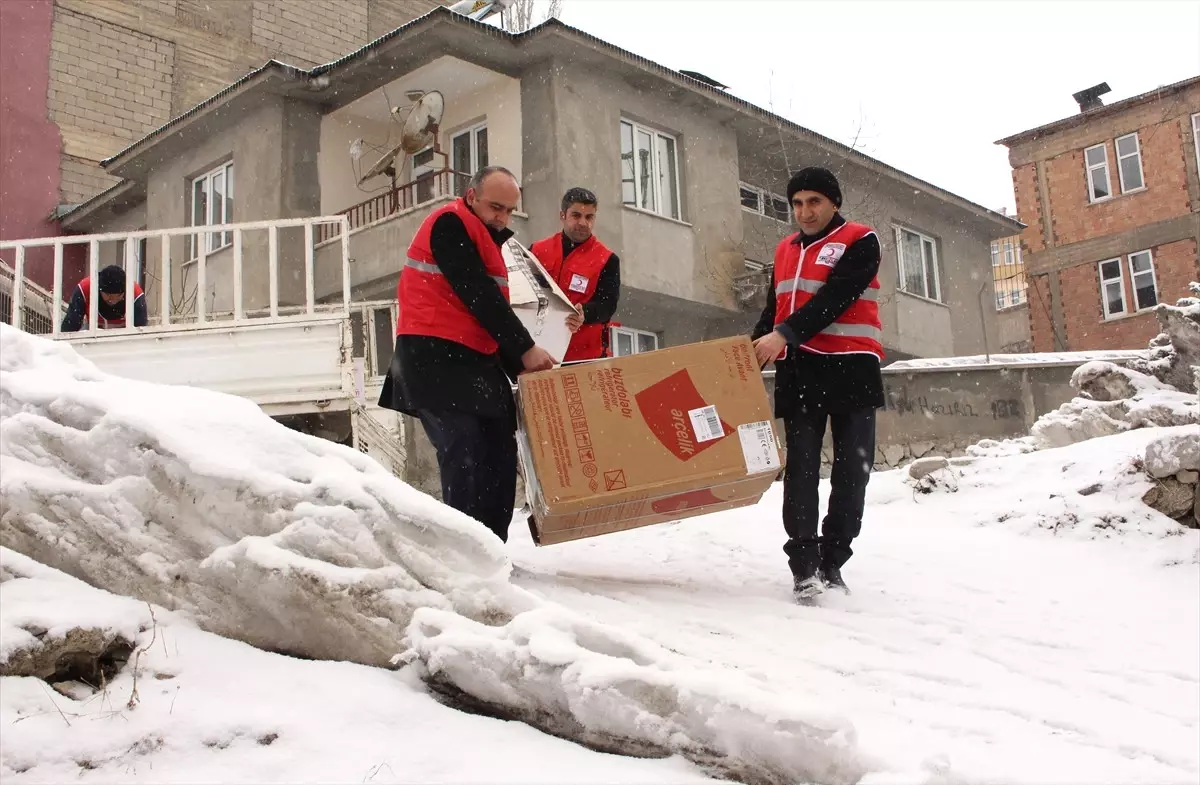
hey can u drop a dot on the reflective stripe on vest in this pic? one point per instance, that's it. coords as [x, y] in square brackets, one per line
[432, 269]
[812, 287]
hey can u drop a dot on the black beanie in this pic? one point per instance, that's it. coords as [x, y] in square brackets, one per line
[112, 280]
[815, 178]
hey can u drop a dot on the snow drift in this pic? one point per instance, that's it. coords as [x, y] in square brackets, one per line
[197, 502]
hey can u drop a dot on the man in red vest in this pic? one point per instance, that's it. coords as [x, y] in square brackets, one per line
[587, 271]
[457, 344]
[821, 327]
[110, 311]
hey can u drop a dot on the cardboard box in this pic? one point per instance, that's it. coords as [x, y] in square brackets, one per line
[631, 441]
[537, 300]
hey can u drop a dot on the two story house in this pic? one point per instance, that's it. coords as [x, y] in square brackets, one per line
[690, 179]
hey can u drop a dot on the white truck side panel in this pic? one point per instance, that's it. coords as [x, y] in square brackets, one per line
[271, 364]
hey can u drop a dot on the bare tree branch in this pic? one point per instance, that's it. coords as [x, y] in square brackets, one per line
[523, 15]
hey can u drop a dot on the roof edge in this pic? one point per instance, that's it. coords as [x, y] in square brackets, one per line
[268, 69]
[1103, 111]
[740, 104]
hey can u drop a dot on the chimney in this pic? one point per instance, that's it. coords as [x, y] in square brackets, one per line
[1089, 99]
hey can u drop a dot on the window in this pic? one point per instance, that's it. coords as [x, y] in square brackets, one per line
[1141, 273]
[1196, 137]
[649, 170]
[995, 254]
[212, 204]
[1096, 159]
[1112, 289]
[756, 200]
[917, 256]
[469, 154]
[627, 341]
[1142, 281]
[1129, 163]
[424, 176]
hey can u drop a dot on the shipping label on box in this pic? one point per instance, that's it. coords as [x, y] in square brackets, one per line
[628, 441]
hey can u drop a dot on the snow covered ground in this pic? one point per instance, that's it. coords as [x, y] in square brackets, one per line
[1016, 617]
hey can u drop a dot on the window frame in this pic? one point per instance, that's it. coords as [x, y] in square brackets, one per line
[937, 273]
[1133, 298]
[655, 175]
[1137, 153]
[1120, 279]
[633, 333]
[763, 196]
[472, 132]
[1196, 137]
[1089, 168]
[213, 241]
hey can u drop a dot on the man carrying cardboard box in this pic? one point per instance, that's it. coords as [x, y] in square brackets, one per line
[821, 327]
[458, 341]
[587, 271]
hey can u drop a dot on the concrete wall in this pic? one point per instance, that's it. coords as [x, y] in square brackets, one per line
[1013, 329]
[339, 183]
[692, 259]
[120, 69]
[499, 105]
[942, 411]
[274, 155]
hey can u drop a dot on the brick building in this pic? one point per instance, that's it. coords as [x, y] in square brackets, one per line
[82, 79]
[1111, 199]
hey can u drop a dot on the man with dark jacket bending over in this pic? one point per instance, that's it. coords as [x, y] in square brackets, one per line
[457, 343]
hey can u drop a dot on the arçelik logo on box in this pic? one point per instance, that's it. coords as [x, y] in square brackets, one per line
[665, 406]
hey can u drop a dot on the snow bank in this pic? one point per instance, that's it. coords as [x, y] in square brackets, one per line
[1112, 400]
[611, 691]
[214, 710]
[197, 502]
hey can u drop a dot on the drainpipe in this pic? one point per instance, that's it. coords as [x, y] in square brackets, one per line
[983, 321]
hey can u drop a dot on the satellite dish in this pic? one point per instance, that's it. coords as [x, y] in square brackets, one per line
[383, 165]
[420, 127]
[418, 132]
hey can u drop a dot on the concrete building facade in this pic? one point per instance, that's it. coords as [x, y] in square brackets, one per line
[690, 180]
[82, 79]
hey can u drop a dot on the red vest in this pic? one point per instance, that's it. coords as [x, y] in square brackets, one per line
[85, 287]
[428, 305]
[801, 270]
[577, 276]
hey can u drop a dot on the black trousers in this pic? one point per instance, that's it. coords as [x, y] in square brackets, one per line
[477, 458]
[853, 456]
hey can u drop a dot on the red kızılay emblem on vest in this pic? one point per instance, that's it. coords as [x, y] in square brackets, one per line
[679, 418]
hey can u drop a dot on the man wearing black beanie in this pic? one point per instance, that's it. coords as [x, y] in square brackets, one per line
[821, 328]
[110, 310]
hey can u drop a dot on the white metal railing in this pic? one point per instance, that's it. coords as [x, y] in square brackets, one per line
[38, 315]
[131, 242]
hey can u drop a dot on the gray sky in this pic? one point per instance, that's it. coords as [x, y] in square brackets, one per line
[926, 86]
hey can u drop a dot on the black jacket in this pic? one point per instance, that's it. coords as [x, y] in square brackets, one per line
[437, 374]
[77, 311]
[826, 382]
